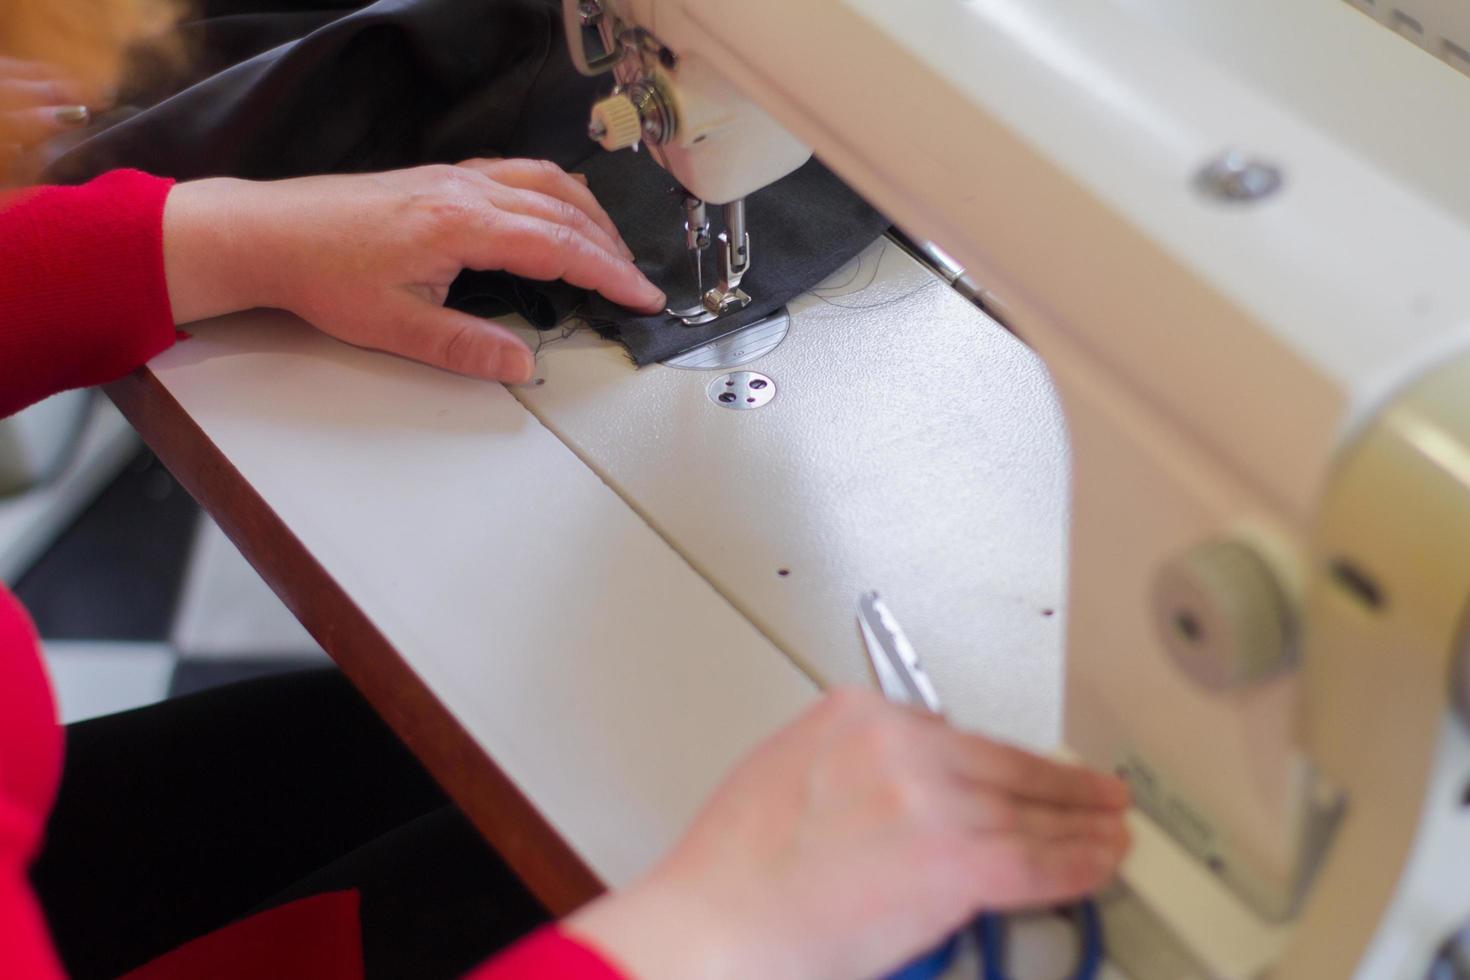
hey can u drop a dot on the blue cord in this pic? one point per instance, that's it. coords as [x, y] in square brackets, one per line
[990, 929]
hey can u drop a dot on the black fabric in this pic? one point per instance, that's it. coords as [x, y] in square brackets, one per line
[177, 819]
[436, 902]
[802, 229]
[404, 82]
[488, 294]
[395, 83]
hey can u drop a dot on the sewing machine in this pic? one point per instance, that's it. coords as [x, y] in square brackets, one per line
[1236, 234]
[703, 130]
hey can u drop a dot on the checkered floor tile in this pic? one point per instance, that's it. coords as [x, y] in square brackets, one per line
[144, 598]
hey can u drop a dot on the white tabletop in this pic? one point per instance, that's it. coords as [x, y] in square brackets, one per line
[913, 447]
[584, 574]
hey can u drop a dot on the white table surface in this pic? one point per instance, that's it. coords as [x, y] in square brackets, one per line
[913, 447]
[610, 682]
[586, 578]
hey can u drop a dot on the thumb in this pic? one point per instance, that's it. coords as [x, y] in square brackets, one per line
[457, 342]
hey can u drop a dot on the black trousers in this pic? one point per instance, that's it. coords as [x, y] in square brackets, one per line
[179, 818]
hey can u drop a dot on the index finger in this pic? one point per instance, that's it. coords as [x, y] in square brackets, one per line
[549, 179]
[533, 247]
[977, 759]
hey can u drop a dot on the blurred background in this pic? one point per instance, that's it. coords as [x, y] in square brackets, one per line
[137, 595]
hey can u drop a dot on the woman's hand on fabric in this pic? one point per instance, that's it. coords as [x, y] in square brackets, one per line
[369, 258]
[37, 101]
[854, 840]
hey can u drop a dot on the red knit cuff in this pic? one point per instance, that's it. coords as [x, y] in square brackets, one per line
[547, 954]
[83, 297]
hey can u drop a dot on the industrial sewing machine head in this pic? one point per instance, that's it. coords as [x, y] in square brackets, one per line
[718, 144]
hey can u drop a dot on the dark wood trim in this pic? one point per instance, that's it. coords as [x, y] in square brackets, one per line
[509, 821]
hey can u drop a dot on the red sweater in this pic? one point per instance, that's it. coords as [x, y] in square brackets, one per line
[83, 300]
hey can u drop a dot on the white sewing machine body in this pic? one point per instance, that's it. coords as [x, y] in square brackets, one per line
[1237, 235]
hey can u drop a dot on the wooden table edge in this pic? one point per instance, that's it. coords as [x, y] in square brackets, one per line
[508, 820]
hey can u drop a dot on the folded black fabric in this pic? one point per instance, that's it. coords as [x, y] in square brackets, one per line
[491, 294]
[324, 88]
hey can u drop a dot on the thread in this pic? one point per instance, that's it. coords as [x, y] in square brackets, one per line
[872, 278]
[565, 330]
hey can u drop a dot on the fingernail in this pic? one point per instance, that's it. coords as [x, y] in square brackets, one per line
[627, 252]
[519, 367]
[656, 298]
[73, 115]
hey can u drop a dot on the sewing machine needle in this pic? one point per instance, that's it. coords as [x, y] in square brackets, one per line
[696, 240]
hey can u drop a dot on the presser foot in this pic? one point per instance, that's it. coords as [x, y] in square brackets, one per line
[726, 296]
[722, 301]
[714, 305]
[692, 316]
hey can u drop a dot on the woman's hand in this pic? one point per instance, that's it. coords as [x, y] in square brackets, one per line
[369, 258]
[854, 840]
[37, 101]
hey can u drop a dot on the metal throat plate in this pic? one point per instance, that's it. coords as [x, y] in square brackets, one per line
[741, 347]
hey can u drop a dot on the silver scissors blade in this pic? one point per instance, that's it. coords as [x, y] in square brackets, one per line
[900, 675]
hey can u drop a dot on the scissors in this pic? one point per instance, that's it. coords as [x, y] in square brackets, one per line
[902, 680]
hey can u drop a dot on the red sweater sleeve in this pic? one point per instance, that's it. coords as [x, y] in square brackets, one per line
[83, 298]
[30, 768]
[547, 954]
